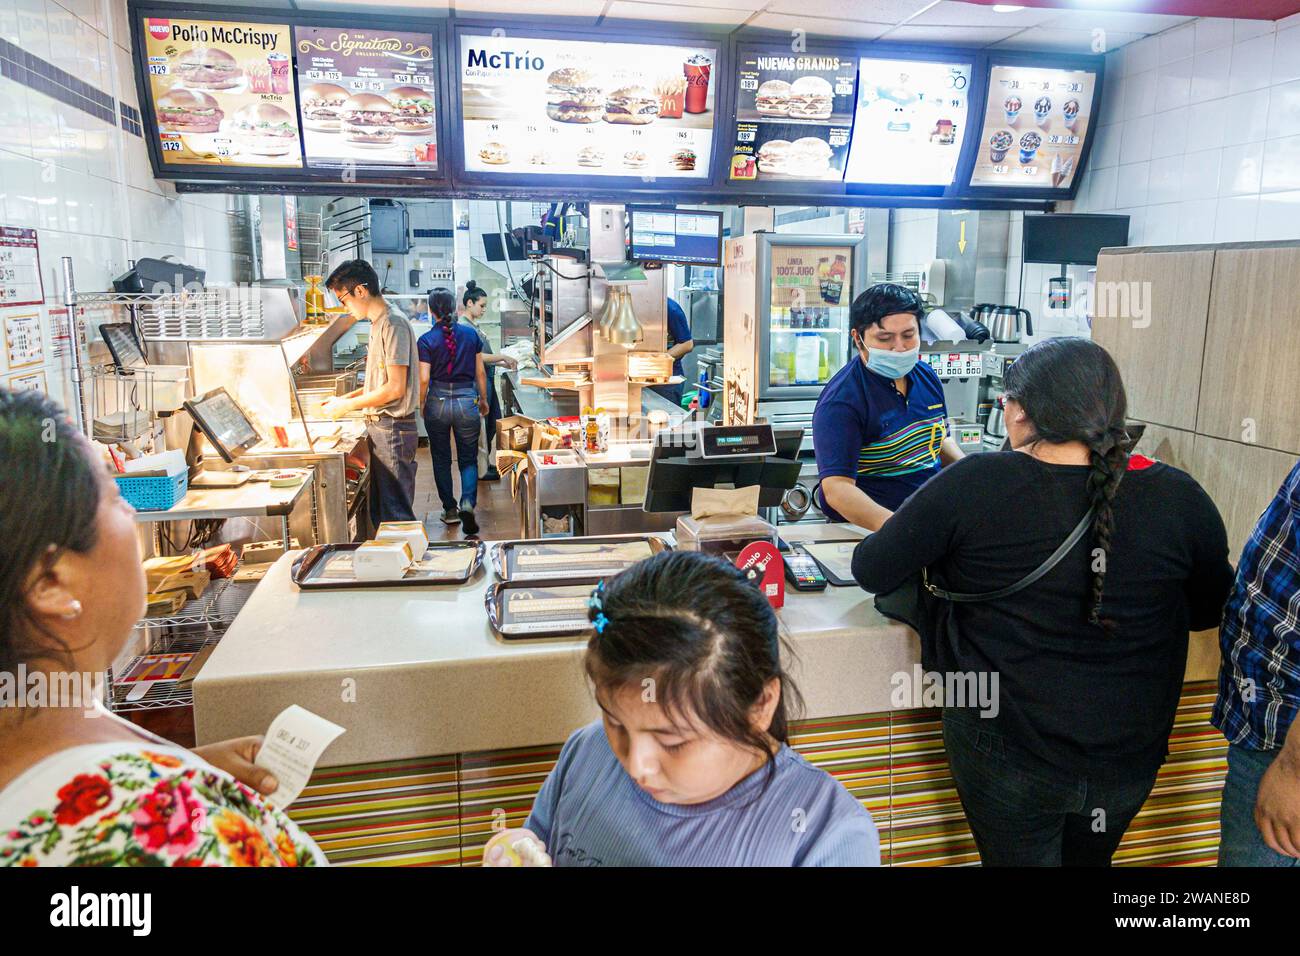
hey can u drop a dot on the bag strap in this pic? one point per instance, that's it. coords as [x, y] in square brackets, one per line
[1066, 547]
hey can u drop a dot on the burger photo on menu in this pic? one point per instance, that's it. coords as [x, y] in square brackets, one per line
[322, 106]
[388, 112]
[773, 98]
[188, 111]
[222, 92]
[811, 97]
[368, 120]
[601, 108]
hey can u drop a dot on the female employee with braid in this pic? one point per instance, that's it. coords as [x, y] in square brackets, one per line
[1081, 670]
[453, 384]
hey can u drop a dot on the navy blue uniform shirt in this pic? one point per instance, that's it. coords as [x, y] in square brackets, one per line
[433, 350]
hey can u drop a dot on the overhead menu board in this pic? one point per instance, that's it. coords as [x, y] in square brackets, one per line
[367, 97]
[221, 93]
[1036, 122]
[794, 117]
[560, 107]
[910, 122]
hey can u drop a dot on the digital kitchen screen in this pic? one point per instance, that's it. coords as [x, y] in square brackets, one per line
[1035, 126]
[670, 235]
[558, 107]
[221, 93]
[910, 122]
[367, 97]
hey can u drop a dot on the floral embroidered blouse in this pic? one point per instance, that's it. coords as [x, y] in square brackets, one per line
[121, 803]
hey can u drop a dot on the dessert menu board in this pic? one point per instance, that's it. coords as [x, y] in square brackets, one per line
[1035, 124]
[20, 267]
[910, 122]
[573, 107]
[794, 117]
[222, 93]
[367, 97]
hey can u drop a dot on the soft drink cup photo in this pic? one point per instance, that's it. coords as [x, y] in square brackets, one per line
[697, 69]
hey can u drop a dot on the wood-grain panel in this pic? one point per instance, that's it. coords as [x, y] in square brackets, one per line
[1251, 376]
[1241, 480]
[1150, 313]
[1170, 445]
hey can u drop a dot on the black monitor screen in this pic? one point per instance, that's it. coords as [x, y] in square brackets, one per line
[224, 423]
[1072, 239]
[494, 251]
[675, 235]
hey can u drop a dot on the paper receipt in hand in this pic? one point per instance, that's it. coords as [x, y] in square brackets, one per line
[293, 743]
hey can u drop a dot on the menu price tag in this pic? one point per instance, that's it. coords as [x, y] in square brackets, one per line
[20, 267]
[290, 749]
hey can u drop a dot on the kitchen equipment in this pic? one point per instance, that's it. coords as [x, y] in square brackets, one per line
[996, 426]
[1003, 321]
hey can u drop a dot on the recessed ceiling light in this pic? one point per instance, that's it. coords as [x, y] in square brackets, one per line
[1006, 8]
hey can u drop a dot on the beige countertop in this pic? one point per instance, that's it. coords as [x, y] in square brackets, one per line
[412, 672]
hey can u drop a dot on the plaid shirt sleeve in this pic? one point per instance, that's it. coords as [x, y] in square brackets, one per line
[1259, 678]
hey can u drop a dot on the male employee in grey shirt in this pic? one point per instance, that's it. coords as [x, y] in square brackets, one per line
[389, 395]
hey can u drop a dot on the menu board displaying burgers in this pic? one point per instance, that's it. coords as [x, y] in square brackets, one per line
[572, 107]
[222, 93]
[794, 117]
[367, 97]
[1035, 124]
[910, 122]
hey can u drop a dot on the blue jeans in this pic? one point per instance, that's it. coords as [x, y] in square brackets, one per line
[1240, 842]
[392, 468]
[1024, 811]
[451, 411]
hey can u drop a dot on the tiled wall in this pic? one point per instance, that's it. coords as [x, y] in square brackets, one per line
[73, 163]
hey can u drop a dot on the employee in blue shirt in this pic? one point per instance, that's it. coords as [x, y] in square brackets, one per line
[680, 344]
[880, 429]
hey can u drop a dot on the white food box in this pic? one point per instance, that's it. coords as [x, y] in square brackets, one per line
[382, 560]
[412, 532]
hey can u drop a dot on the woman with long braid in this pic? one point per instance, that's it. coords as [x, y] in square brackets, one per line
[453, 384]
[1063, 693]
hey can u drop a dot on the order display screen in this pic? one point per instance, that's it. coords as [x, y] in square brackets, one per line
[673, 235]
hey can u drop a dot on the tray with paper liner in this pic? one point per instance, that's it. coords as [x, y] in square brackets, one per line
[329, 566]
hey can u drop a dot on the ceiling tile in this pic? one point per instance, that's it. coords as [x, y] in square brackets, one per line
[671, 14]
[749, 5]
[1115, 22]
[1063, 41]
[817, 27]
[953, 13]
[951, 36]
[870, 11]
[437, 8]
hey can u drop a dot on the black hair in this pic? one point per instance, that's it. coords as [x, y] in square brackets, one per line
[704, 633]
[1071, 390]
[442, 305]
[45, 466]
[473, 292]
[882, 299]
[348, 275]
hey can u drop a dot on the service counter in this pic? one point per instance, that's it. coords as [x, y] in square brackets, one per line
[449, 726]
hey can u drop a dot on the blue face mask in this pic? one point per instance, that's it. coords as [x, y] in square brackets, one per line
[890, 364]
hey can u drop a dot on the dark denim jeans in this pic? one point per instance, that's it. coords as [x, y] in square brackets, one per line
[392, 468]
[1024, 811]
[451, 411]
[1240, 842]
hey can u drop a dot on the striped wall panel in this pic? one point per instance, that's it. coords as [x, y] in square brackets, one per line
[440, 811]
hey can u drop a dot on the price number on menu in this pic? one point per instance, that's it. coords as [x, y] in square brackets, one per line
[225, 152]
[402, 78]
[170, 146]
[636, 132]
[332, 75]
[1073, 87]
[749, 84]
[683, 134]
[1061, 139]
[1000, 170]
[745, 136]
[527, 129]
[844, 88]
[838, 137]
[957, 80]
[157, 69]
[1012, 84]
[1030, 171]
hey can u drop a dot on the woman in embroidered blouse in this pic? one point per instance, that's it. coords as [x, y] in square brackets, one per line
[79, 786]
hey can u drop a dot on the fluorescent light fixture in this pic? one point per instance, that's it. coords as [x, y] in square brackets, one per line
[1006, 8]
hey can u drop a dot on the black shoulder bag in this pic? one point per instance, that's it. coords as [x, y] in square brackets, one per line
[919, 603]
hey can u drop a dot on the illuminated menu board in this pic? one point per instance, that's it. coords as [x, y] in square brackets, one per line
[1035, 125]
[577, 108]
[367, 97]
[221, 93]
[910, 122]
[794, 117]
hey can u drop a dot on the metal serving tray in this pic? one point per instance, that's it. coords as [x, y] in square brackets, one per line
[581, 559]
[566, 617]
[311, 567]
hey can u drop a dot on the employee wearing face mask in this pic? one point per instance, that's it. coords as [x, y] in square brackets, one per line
[880, 429]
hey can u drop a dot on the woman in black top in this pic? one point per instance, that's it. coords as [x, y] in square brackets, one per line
[1088, 661]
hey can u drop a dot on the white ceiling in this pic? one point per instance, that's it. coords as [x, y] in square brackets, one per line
[946, 22]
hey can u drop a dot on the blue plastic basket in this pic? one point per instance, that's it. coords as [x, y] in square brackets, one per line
[154, 493]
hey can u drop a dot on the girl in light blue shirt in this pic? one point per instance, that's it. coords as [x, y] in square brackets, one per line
[690, 763]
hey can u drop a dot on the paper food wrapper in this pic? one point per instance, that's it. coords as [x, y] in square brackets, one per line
[717, 502]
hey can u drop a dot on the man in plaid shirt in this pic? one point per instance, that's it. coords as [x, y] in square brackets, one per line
[1259, 692]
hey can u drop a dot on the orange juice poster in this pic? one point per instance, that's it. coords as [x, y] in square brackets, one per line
[222, 92]
[810, 276]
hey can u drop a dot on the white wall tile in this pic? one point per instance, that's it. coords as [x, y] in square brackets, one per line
[1140, 94]
[1132, 185]
[1201, 174]
[1284, 110]
[9, 21]
[1279, 214]
[1210, 74]
[1205, 124]
[1281, 165]
[1212, 33]
[1162, 224]
[1170, 133]
[1245, 117]
[1141, 56]
[1105, 151]
[1101, 194]
[33, 27]
[1252, 64]
[1240, 169]
[1112, 96]
[1165, 182]
[1286, 55]
[1196, 220]
[1135, 140]
[1234, 220]
[1246, 29]
[1178, 43]
[19, 190]
[1173, 86]
[15, 125]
